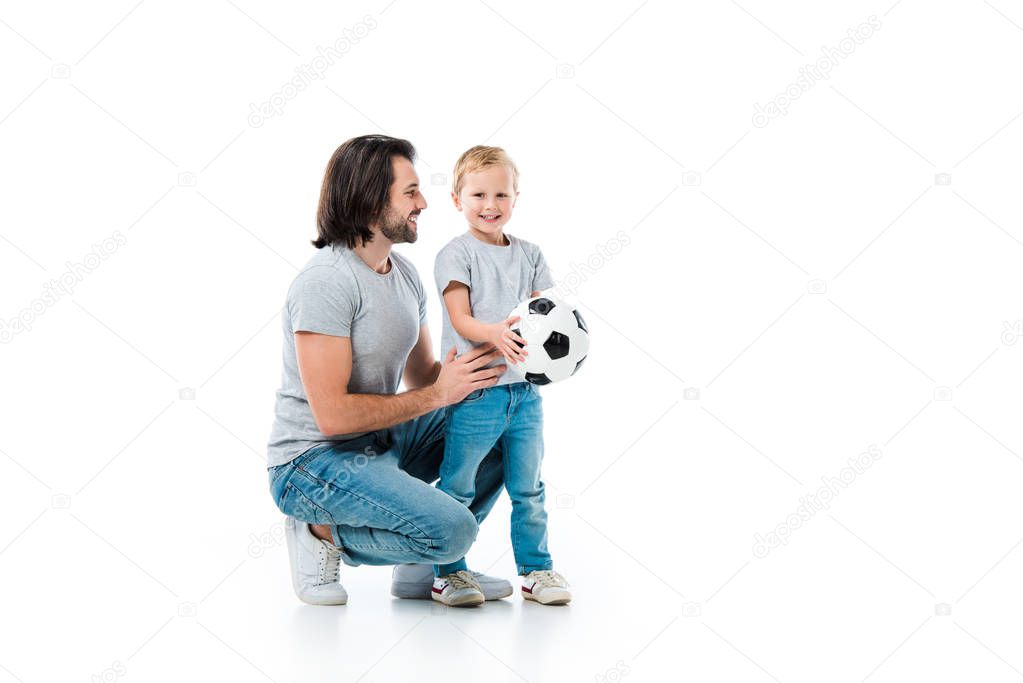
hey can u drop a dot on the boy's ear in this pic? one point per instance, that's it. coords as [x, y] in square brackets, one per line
[454, 198]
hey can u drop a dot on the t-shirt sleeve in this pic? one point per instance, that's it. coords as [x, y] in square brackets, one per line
[541, 273]
[421, 291]
[452, 264]
[322, 307]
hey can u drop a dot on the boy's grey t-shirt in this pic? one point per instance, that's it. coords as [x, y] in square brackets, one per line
[337, 294]
[499, 279]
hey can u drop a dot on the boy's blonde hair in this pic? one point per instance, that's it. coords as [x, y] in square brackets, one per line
[480, 157]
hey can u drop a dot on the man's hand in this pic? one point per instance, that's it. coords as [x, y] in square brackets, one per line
[459, 377]
[506, 341]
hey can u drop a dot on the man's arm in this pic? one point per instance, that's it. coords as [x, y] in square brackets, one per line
[325, 365]
[421, 369]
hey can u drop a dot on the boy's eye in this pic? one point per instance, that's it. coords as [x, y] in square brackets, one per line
[478, 194]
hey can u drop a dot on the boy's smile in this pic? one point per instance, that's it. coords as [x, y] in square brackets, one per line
[486, 200]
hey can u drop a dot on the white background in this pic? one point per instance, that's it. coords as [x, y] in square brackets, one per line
[814, 283]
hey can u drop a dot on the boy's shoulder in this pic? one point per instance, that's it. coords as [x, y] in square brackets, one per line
[530, 248]
[457, 245]
[464, 245]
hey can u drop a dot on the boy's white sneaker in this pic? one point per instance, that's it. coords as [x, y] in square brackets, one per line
[415, 581]
[457, 590]
[546, 586]
[314, 566]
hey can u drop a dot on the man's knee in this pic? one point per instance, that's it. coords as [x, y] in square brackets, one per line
[455, 534]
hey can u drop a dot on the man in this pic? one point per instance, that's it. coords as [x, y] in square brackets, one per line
[350, 459]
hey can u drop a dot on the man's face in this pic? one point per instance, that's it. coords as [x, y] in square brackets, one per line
[398, 222]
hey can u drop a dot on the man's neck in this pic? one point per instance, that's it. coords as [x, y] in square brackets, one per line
[375, 254]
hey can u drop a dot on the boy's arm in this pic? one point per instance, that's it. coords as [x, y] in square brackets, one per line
[456, 300]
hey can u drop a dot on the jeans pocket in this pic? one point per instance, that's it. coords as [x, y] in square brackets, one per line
[296, 504]
[275, 472]
[474, 396]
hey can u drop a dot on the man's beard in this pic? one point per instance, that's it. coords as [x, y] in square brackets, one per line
[397, 229]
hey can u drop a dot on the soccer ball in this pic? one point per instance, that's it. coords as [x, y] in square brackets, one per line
[556, 339]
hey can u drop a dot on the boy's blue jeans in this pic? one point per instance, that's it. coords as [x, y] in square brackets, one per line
[510, 418]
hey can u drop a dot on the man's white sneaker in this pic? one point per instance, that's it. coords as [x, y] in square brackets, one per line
[415, 581]
[457, 590]
[546, 586]
[314, 566]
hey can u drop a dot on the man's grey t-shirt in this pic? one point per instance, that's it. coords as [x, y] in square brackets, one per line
[339, 295]
[499, 279]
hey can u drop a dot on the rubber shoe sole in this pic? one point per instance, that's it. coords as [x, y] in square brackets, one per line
[417, 590]
[468, 599]
[555, 596]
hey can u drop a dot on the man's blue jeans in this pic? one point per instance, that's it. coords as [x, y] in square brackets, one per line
[510, 418]
[375, 493]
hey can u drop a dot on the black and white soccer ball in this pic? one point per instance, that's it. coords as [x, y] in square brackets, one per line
[557, 340]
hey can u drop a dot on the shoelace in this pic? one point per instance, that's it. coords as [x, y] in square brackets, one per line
[463, 579]
[330, 564]
[548, 578]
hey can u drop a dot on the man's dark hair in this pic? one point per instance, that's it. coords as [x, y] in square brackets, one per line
[356, 188]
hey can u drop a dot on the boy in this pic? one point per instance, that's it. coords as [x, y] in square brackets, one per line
[481, 275]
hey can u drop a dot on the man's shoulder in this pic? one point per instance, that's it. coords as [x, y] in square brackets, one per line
[326, 269]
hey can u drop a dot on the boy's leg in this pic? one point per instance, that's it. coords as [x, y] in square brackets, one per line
[522, 445]
[420, 444]
[378, 513]
[473, 428]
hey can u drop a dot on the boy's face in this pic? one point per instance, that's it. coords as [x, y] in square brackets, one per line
[486, 200]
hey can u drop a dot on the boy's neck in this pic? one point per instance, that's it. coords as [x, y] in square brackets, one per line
[498, 240]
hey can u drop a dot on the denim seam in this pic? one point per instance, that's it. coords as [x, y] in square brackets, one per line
[427, 542]
[308, 500]
[331, 485]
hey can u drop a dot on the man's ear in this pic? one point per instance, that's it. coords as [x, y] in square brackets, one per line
[454, 198]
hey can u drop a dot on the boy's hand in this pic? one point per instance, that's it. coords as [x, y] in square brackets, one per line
[506, 341]
[461, 376]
